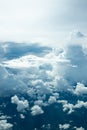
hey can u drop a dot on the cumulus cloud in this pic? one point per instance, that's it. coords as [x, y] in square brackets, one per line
[72, 107]
[22, 116]
[48, 126]
[69, 107]
[64, 126]
[4, 125]
[80, 128]
[36, 110]
[78, 59]
[4, 117]
[21, 104]
[40, 102]
[9, 83]
[81, 104]
[51, 100]
[80, 89]
[43, 73]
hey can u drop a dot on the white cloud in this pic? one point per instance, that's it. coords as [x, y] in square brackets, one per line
[39, 103]
[48, 126]
[66, 106]
[4, 125]
[40, 75]
[80, 104]
[21, 104]
[80, 128]
[69, 107]
[10, 82]
[78, 59]
[52, 99]
[37, 71]
[4, 117]
[76, 35]
[22, 116]
[80, 89]
[72, 107]
[64, 126]
[36, 110]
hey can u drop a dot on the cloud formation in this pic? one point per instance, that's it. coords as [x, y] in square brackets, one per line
[4, 125]
[72, 107]
[21, 104]
[80, 128]
[64, 126]
[36, 110]
[42, 70]
[80, 89]
[41, 78]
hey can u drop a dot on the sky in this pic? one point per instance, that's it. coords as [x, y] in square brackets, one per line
[42, 21]
[37, 79]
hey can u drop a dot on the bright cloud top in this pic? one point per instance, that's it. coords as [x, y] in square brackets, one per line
[4, 125]
[36, 110]
[44, 68]
[21, 105]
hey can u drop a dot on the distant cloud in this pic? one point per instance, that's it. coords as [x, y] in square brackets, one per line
[64, 126]
[4, 125]
[52, 100]
[40, 102]
[36, 110]
[80, 128]
[48, 126]
[21, 104]
[72, 107]
[44, 68]
[22, 116]
[76, 34]
[4, 117]
[43, 75]
[80, 89]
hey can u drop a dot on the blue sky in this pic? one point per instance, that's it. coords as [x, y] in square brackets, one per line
[43, 21]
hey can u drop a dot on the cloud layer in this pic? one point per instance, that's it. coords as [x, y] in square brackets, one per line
[42, 70]
[36, 78]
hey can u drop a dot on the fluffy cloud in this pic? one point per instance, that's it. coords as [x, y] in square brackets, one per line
[4, 125]
[48, 126]
[80, 128]
[36, 110]
[9, 83]
[51, 100]
[80, 89]
[21, 104]
[78, 59]
[43, 73]
[22, 116]
[64, 126]
[81, 104]
[4, 117]
[40, 102]
[75, 34]
[71, 107]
